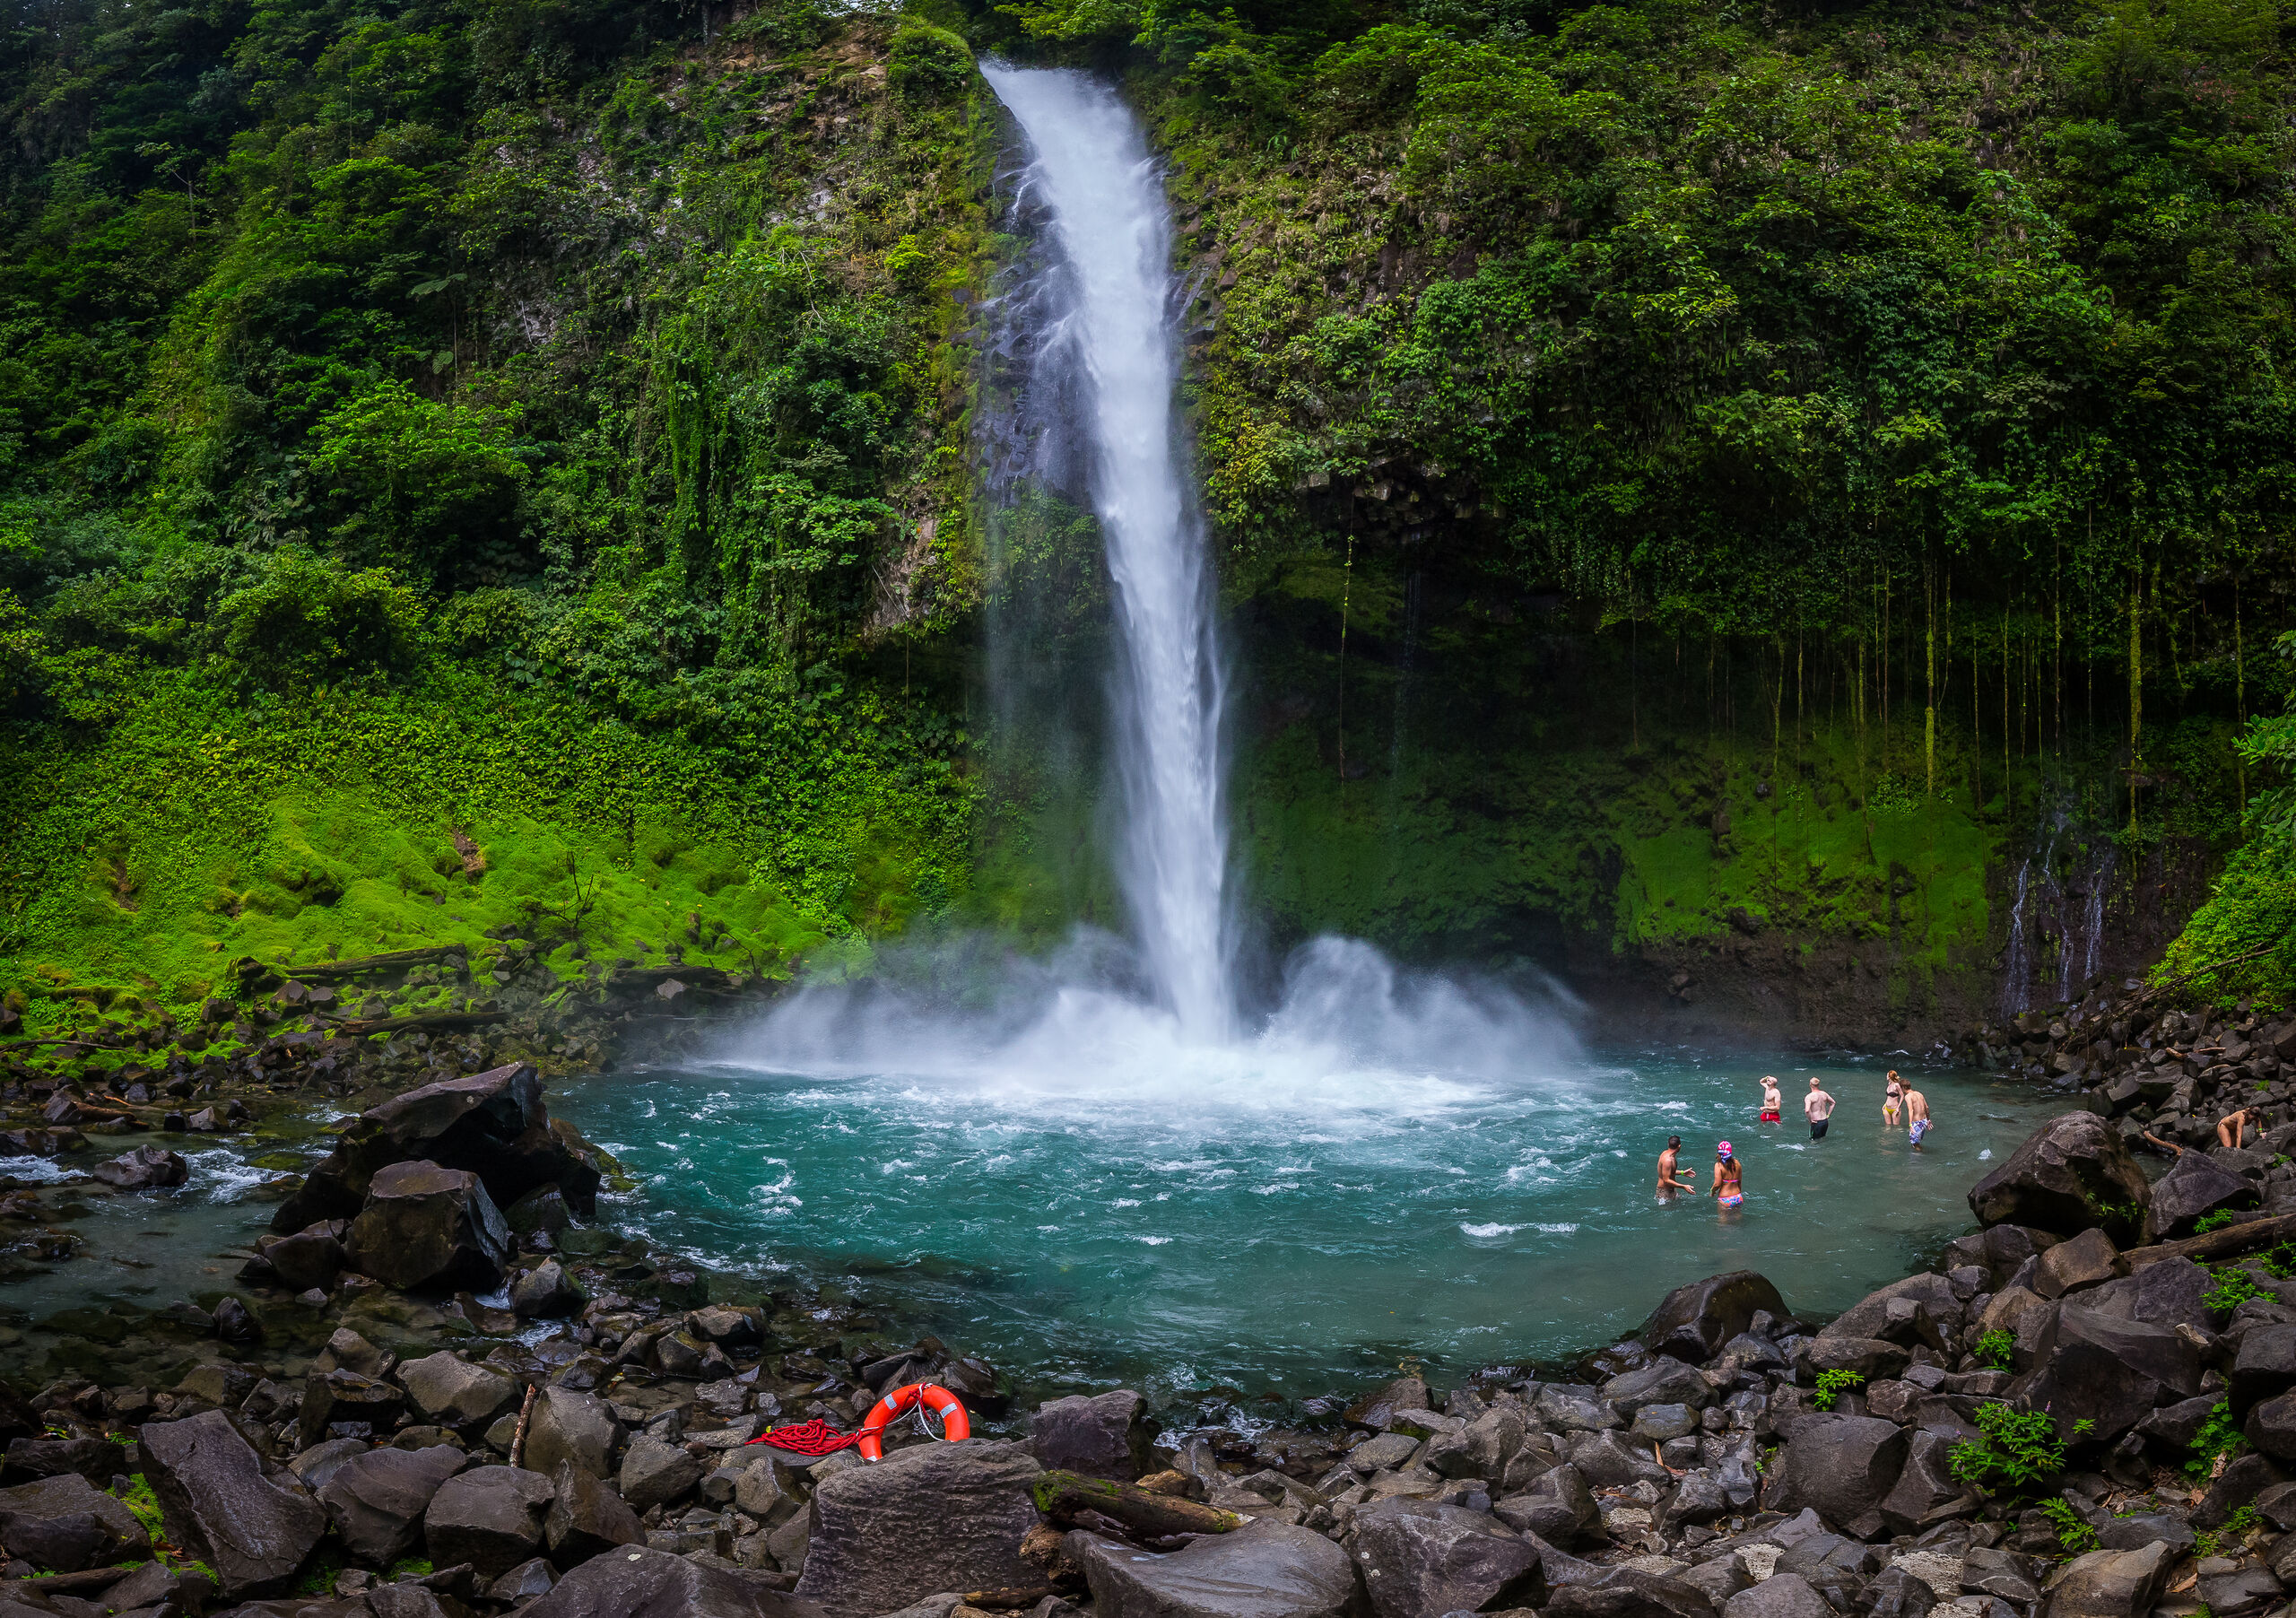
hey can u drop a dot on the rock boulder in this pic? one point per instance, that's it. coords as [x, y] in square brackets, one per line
[1267, 1571]
[2110, 1584]
[490, 1516]
[145, 1169]
[1693, 1322]
[1841, 1467]
[428, 1226]
[2072, 1174]
[1421, 1560]
[376, 1501]
[219, 1504]
[1104, 1436]
[65, 1524]
[958, 1510]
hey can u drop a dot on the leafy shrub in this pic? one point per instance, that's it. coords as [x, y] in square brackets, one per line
[1833, 1383]
[2073, 1530]
[1997, 1348]
[2213, 1221]
[417, 481]
[2018, 1448]
[2218, 1434]
[2233, 1288]
[307, 621]
[927, 64]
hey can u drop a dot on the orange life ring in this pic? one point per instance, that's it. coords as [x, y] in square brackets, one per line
[954, 1423]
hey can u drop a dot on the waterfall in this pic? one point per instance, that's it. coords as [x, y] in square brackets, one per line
[1093, 173]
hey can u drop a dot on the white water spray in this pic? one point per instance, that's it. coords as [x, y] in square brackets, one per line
[1094, 173]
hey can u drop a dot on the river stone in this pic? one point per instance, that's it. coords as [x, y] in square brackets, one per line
[655, 1473]
[1421, 1559]
[2071, 1174]
[1482, 1448]
[492, 1123]
[310, 1257]
[572, 1426]
[1610, 1459]
[545, 1293]
[376, 1501]
[65, 1524]
[1780, 1595]
[219, 1505]
[335, 1397]
[490, 1516]
[1567, 1407]
[2163, 1294]
[98, 1460]
[1104, 1436]
[145, 1169]
[636, 1583]
[1663, 1381]
[2193, 1187]
[2110, 1584]
[1842, 1467]
[2106, 1369]
[1383, 1452]
[1266, 1570]
[1873, 1315]
[1558, 1506]
[317, 1466]
[428, 1226]
[1379, 1409]
[455, 1393]
[1895, 1592]
[1628, 1592]
[587, 1519]
[958, 1510]
[1693, 1322]
[1926, 1492]
[2086, 1260]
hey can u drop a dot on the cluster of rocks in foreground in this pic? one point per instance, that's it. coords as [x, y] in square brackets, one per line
[1691, 1474]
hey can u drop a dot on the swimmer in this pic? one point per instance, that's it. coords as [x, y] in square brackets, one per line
[1728, 1191]
[1891, 1092]
[1917, 1115]
[1671, 1176]
[1772, 1103]
[1817, 1107]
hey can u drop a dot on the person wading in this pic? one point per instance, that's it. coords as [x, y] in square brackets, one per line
[1729, 1189]
[1892, 1094]
[1772, 1103]
[1671, 1176]
[1817, 1107]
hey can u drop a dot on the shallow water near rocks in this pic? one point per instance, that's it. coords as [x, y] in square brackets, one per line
[1279, 1239]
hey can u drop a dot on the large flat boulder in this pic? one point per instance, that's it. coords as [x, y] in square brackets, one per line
[2193, 1187]
[2108, 1371]
[1106, 1435]
[2072, 1174]
[568, 1425]
[957, 1510]
[638, 1583]
[1843, 1467]
[2110, 1584]
[1421, 1559]
[145, 1169]
[2163, 1294]
[1267, 1571]
[65, 1524]
[1693, 1322]
[219, 1504]
[425, 1225]
[490, 1516]
[375, 1501]
[1663, 1381]
[492, 1124]
[1871, 1316]
[454, 1393]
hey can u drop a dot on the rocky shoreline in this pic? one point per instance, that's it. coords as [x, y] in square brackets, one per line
[436, 1386]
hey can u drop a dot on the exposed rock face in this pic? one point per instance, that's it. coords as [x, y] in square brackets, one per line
[1267, 1570]
[492, 1124]
[2072, 1174]
[1693, 1322]
[957, 1511]
[218, 1504]
[1421, 1559]
[1105, 1436]
[428, 1226]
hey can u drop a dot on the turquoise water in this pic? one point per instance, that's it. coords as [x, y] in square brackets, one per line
[1274, 1221]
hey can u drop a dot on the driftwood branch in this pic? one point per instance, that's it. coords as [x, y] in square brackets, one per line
[338, 971]
[2247, 1238]
[1065, 1497]
[526, 1414]
[427, 1022]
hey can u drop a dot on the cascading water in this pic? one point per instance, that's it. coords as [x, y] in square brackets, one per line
[1108, 214]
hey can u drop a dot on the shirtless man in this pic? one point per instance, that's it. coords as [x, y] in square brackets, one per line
[2233, 1126]
[1671, 1176]
[1818, 1107]
[1772, 1103]
[1917, 1115]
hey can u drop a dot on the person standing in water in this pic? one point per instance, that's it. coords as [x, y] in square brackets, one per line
[1729, 1189]
[1817, 1107]
[1772, 1103]
[1893, 1092]
[1671, 1176]
[1917, 1115]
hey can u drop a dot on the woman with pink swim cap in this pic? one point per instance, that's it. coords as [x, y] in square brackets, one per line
[1727, 1190]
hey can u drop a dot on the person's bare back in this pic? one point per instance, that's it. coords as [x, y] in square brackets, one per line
[1817, 1107]
[1917, 1115]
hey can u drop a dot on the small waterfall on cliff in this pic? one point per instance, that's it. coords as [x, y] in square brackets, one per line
[1094, 173]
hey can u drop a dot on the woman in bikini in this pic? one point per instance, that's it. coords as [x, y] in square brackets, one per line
[1728, 1193]
[1892, 1094]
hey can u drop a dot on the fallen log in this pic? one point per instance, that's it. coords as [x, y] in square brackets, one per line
[426, 1023]
[338, 971]
[1009, 1599]
[2247, 1238]
[1066, 1496]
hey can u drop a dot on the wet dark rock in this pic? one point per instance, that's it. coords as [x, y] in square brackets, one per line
[425, 1225]
[455, 1393]
[492, 1124]
[2163, 1294]
[2264, 1365]
[1567, 1407]
[1878, 1315]
[1266, 1570]
[1558, 1506]
[1104, 1436]
[568, 1425]
[341, 1399]
[310, 1257]
[145, 1169]
[1693, 1322]
[98, 1460]
[2072, 1174]
[220, 1505]
[2135, 1531]
[376, 1501]
[641, 1583]
[545, 1293]
[1663, 1381]
[348, 1350]
[65, 1524]
[1421, 1559]
[959, 1511]
[587, 1519]
[1377, 1410]
[1842, 1467]
[490, 1516]
[2242, 1481]
[655, 1473]
[2086, 1260]
[1926, 1492]
[2193, 1187]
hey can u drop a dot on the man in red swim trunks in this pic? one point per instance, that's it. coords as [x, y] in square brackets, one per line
[1772, 1102]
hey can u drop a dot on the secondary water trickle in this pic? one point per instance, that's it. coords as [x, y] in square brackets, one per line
[1095, 175]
